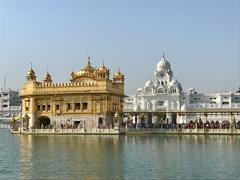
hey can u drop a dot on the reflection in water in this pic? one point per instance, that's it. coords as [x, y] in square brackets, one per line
[182, 157]
[61, 157]
[119, 157]
[26, 157]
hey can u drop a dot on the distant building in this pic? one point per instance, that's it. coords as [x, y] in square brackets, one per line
[222, 106]
[89, 100]
[9, 105]
[162, 99]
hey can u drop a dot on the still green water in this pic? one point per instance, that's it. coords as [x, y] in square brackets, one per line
[119, 157]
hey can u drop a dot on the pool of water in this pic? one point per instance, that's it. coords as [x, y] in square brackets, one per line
[119, 157]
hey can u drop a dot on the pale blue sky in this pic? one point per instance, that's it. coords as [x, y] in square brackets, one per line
[200, 39]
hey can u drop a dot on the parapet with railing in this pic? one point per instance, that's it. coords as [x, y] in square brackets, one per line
[129, 131]
[70, 131]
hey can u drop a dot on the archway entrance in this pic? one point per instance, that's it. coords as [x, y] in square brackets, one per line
[43, 122]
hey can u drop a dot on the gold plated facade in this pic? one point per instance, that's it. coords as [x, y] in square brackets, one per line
[89, 100]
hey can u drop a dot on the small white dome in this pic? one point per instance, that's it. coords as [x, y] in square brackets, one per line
[173, 83]
[176, 84]
[139, 91]
[149, 83]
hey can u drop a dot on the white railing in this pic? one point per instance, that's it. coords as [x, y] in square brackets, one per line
[71, 131]
[131, 130]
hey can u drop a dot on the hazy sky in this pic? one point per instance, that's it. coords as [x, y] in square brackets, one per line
[201, 39]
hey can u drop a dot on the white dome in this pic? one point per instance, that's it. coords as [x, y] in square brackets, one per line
[139, 91]
[173, 83]
[149, 83]
[163, 65]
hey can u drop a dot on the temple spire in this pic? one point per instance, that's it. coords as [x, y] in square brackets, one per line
[89, 63]
[163, 55]
[118, 71]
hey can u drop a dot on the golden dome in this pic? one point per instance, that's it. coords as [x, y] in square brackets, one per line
[87, 71]
[30, 72]
[31, 75]
[103, 72]
[88, 67]
[47, 78]
[103, 68]
[118, 77]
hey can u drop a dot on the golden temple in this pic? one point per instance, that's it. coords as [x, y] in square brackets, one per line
[90, 99]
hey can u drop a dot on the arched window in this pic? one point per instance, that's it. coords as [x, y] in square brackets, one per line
[173, 90]
[173, 105]
[149, 105]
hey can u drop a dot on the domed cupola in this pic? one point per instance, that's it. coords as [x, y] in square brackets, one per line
[173, 82]
[103, 72]
[118, 77]
[103, 68]
[88, 68]
[163, 70]
[148, 84]
[87, 72]
[163, 65]
[47, 78]
[176, 85]
[31, 75]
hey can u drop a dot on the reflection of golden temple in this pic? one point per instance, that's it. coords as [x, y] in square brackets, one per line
[97, 147]
[90, 97]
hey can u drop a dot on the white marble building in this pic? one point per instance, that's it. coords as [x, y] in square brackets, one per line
[162, 98]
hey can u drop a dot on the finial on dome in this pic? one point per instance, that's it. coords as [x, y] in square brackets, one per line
[119, 69]
[163, 55]
[103, 64]
[47, 71]
[118, 77]
[31, 74]
[89, 63]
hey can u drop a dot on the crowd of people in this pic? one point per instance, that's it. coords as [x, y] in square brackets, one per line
[190, 125]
